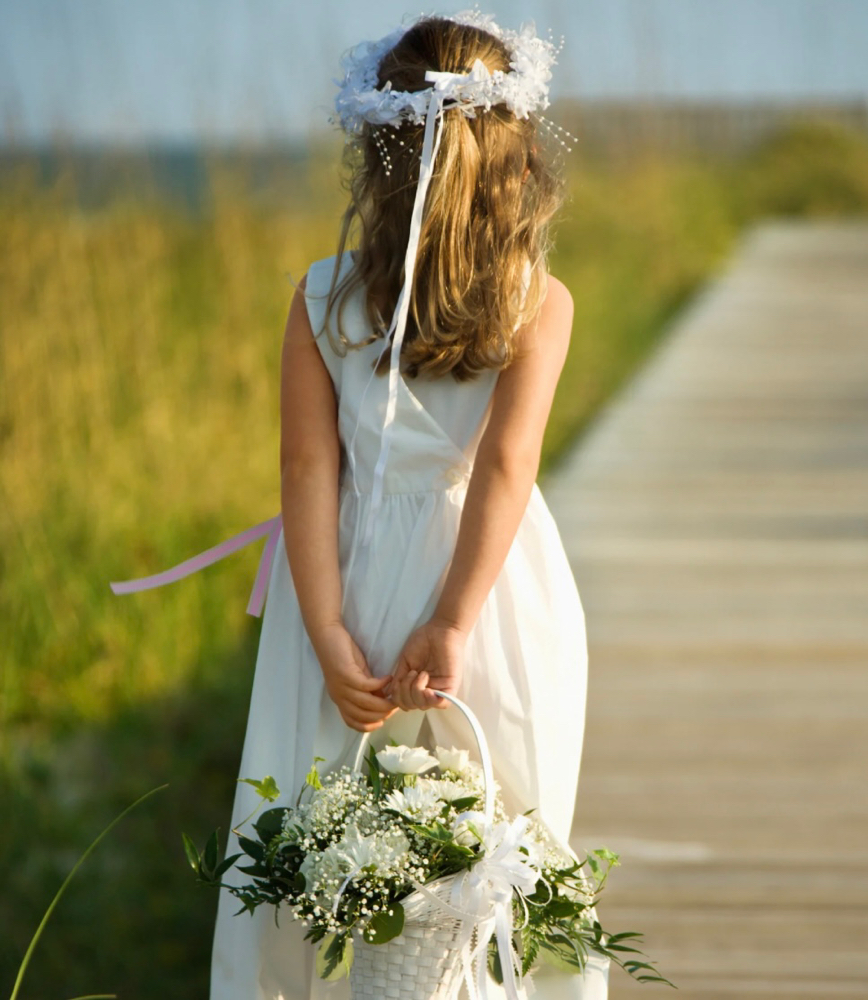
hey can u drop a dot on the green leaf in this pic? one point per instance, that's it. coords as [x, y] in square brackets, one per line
[257, 871]
[334, 957]
[248, 901]
[433, 831]
[632, 966]
[594, 865]
[270, 823]
[252, 848]
[192, 853]
[563, 951]
[530, 942]
[461, 805]
[494, 966]
[266, 789]
[623, 936]
[386, 925]
[610, 857]
[209, 859]
[375, 778]
[312, 780]
[225, 865]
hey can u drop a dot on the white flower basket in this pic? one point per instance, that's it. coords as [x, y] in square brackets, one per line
[424, 961]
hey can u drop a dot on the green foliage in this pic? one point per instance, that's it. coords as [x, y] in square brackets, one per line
[267, 787]
[207, 865]
[813, 168]
[374, 779]
[559, 926]
[158, 333]
[312, 779]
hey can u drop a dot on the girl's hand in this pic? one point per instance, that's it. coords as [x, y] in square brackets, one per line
[432, 660]
[357, 694]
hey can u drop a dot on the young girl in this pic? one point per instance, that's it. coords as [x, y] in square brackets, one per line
[415, 552]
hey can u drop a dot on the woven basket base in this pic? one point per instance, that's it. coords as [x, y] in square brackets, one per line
[421, 963]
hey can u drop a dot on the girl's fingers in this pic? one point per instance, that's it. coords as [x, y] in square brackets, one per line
[417, 690]
[363, 702]
[399, 695]
[364, 715]
[402, 667]
[362, 727]
[401, 692]
[365, 683]
[435, 686]
[431, 696]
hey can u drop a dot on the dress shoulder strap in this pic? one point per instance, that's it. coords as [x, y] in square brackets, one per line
[319, 281]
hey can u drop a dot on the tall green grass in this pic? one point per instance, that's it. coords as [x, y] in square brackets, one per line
[139, 354]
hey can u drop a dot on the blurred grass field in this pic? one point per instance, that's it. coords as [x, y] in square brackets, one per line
[139, 353]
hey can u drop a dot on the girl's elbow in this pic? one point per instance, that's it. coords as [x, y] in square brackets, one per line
[299, 465]
[514, 464]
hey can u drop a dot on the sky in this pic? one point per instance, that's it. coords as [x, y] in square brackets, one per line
[132, 71]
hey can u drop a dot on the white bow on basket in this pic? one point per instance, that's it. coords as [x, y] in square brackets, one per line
[449, 923]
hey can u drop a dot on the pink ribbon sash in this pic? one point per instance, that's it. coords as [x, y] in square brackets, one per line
[270, 528]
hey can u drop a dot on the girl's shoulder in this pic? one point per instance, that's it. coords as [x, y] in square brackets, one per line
[318, 278]
[552, 328]
[559, 292]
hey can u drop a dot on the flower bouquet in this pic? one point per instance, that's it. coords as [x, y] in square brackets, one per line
[407, 872]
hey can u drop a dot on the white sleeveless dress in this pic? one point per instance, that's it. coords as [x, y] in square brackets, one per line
[526, 662]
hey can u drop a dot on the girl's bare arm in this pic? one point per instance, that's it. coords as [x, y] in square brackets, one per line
[309, 471]
[506, 466]
[309, 467]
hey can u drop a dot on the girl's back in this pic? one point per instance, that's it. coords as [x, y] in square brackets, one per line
[438, 420]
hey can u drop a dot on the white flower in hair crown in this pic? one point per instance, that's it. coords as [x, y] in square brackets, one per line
[523, 89]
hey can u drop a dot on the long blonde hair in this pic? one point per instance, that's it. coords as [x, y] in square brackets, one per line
[482, 258]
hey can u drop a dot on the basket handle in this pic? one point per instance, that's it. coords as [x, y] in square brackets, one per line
[481, 742]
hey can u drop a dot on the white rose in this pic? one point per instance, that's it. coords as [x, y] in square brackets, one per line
[405, 760]
[461, 828]
[452, 760]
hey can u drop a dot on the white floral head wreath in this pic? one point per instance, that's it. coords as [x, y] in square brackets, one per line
[524, 89]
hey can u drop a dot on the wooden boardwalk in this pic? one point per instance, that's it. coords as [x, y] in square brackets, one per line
[716, 517]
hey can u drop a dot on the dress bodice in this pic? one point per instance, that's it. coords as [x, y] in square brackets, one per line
[438, 421]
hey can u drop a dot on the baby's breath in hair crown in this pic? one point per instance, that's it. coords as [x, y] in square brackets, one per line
[524, 89]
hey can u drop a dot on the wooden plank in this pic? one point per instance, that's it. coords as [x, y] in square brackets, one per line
[716, 517]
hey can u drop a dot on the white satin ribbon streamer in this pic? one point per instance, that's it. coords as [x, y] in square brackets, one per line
[430, 145]
[505, 870]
